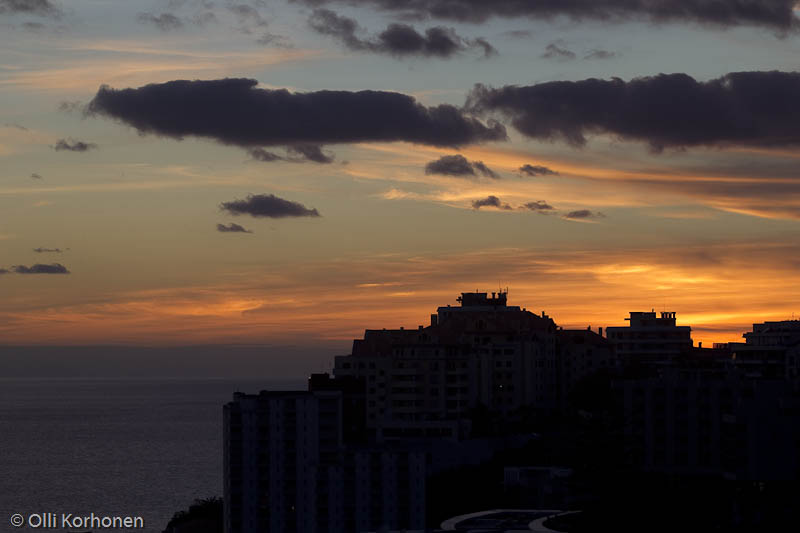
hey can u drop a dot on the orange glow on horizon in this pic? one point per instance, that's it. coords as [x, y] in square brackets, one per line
[720, 292]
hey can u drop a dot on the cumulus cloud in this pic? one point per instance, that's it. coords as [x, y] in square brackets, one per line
[537, 170]
[490, 201]
[397, 39]
[583, 214]
[38, 268]
[665, 111]
[164, 21]
[237, 112]
[775, 14]
[267, 206]
[48, 250]
[71, 145]
[539, 206]
[458, 165]
[30, 7]
[232, 228]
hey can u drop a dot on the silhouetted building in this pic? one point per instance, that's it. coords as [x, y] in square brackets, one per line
[287, 469]
[354, 403]
[712, 421]
[649, 338]
[580, 354]
[772, 349]
[422, 383]
[282, 462]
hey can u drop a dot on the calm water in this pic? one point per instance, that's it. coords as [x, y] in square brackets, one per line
[135, 447]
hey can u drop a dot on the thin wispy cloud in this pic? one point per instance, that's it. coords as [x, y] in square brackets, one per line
[164, 21]
[72, 145]
[536, 170]
[39, 268]
[583, 215]
[232, 228]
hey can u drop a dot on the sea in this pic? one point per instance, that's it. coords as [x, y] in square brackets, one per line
[135, 447]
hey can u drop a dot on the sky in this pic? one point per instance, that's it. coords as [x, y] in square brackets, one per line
[292, 172]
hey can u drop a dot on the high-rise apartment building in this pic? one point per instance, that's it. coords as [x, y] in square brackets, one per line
[423, 382]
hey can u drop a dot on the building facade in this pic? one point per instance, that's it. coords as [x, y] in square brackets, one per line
[423, 383]
[650, 338]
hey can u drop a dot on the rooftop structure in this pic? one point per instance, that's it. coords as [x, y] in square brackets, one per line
[650, 338]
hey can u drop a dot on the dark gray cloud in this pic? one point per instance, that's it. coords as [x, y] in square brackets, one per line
[36, 176]
[269, 206]
[665, 111]
[490, 201]
[164, 21]
[30, 7]
[3, 271]
[38, 268]
[259, 154]
[483, 169]
[519, 34]
[204, 19]
[237, 112]
[309, 152]
[273, 39]
[537, 170]
[232, 228]
[34, 27]
[397, 39]
[486, 46]
[300, 153]
[774, 14]
[71, 106]
[450, 165]
[539, 206]
[249, 18]
[554, 51]
[598, 53]
[48, 250]
[583, 214]
[458, 165]
[72, 145]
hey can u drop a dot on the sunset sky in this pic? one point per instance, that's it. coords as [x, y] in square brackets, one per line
[615, 156]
